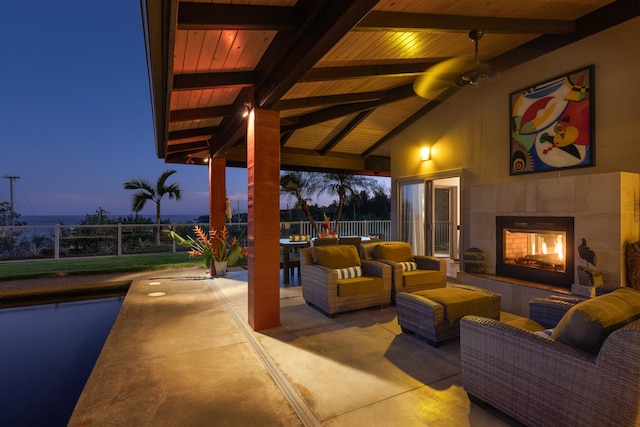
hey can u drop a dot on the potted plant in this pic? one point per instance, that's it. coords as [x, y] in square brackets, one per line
[218, 247]
[327, 229]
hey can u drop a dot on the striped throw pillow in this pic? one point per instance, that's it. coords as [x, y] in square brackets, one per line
[409, 266]
[349, 272]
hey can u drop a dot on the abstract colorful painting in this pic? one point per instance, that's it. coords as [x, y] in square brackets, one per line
[552, 124]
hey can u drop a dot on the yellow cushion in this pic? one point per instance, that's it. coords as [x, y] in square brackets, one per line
[458, 302]
[359, 286]
[336, 256]
[394, 251]
[420, 277]
[588, 324]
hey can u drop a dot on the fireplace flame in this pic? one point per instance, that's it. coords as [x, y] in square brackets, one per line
[558, 248]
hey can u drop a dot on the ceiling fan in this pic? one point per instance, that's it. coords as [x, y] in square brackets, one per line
[459, 72]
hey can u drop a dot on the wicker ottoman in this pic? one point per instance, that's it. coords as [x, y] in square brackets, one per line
[435, 314]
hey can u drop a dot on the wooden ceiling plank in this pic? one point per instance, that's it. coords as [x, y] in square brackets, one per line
[374, 70]
[397, 21]
[208, 80]
[345, 131]
[409, 121]
[203, 16]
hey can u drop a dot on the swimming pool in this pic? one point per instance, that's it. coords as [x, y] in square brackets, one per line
[46, 355]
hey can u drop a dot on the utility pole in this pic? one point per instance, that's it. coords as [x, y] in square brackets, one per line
[11, 178]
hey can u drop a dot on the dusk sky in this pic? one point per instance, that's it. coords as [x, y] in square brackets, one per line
[75, 113]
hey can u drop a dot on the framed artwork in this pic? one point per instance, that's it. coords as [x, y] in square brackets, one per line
[552, 124]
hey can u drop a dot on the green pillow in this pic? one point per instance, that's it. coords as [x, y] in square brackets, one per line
[394, 251]
[588, 324]
[336, 256]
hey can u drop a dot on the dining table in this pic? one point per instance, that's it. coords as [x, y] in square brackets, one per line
[286, 246]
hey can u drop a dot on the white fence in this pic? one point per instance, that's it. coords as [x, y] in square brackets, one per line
[67, 241]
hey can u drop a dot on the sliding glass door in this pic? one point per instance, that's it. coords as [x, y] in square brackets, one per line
[414, 216]
[429, 216]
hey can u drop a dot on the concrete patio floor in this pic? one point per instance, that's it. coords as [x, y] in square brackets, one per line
[181, 353]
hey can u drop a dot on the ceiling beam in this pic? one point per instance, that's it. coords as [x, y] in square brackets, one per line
[205, 16]
[201, 113]
[188, 147]
[399, 21]
[209, 80]
[341, 110]
[345, 131]
[315, 101]
[290, 56]
[193, 133]
[374, 70]
[608, 16]
[332, 23]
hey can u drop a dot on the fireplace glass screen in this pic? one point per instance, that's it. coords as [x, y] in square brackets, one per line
[535, 249]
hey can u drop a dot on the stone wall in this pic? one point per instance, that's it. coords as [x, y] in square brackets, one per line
[605, 207]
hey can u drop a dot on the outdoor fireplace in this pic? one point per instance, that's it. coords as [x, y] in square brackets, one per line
[537, 249]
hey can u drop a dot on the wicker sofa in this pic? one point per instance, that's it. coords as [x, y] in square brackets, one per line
[328, 283]
[430, 272]
[585, 374]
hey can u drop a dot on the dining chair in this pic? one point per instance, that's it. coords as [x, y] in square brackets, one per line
[350, 240]
[325, 241]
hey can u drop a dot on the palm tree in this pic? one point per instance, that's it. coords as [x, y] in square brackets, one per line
[298, 186]
[344, 186]
[147, 192]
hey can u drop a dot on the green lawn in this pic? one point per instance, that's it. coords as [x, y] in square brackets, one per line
[80, 266]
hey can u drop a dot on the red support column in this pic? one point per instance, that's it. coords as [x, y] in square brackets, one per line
[263, 167]
[217, 195]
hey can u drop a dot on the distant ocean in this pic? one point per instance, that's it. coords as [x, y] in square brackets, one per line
[75, 219]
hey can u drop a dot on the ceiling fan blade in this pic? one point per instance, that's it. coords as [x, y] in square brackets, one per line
[441, 76]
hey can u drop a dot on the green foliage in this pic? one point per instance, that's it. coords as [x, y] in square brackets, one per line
[82, 266]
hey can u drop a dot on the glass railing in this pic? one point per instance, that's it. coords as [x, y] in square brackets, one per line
[67, 241]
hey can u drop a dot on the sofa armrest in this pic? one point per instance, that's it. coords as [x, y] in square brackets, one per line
[547, 311]
[540, 381]
[425, 262]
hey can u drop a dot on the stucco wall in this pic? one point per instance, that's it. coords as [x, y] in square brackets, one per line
[470, 130]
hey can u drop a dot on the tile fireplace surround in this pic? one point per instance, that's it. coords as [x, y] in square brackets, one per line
[604, 207]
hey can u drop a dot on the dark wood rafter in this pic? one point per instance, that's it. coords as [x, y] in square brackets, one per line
[188, 147]
[338, 111]
[326, 24]
[203, 16]
[209, 80]
[316, 101]
[345, 131]
[613, 14]
[331, 24]
[399, 21]
[201, 113]
[284, 137]
[193, 133]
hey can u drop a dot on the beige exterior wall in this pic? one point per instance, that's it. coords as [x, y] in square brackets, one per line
[470, 130]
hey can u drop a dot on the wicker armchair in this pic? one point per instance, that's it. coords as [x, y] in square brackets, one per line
[542, 381]
[322, 288]
[431, 272]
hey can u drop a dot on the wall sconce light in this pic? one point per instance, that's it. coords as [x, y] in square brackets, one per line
[425, 153]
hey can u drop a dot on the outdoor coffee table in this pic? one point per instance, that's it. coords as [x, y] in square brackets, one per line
[435, 314]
